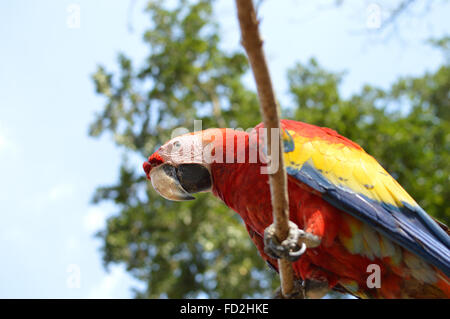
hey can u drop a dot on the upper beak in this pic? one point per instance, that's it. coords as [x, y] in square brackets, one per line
[165, 182]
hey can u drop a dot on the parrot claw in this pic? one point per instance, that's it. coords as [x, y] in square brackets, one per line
[292, 247]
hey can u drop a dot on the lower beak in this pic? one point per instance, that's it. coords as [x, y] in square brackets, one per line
[165, 182]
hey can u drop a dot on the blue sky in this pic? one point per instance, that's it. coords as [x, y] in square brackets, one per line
[50, 167]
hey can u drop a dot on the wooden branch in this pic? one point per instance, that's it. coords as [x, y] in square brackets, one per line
[252, 43]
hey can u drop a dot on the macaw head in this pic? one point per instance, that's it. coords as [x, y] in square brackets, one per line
[183, 166]
[175, 171]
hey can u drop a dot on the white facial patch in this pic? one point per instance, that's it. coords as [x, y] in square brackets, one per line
[186, 148]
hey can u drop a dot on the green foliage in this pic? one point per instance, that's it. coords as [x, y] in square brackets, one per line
[201, 248]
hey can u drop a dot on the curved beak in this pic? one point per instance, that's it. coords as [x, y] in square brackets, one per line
[165, 182]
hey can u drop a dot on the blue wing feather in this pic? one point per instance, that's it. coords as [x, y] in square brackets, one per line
[408, 226]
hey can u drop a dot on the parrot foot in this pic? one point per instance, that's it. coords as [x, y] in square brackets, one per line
[293, 246]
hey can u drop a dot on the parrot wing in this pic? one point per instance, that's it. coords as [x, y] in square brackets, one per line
[353, 181]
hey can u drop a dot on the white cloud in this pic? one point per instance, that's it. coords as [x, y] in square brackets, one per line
[94, 219]
[6, 143]
[73, 245]
[111, 285]
[60, 192]
[3, 142]
[12, 234]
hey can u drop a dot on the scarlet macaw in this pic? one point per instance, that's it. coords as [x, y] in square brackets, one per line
[347, 209]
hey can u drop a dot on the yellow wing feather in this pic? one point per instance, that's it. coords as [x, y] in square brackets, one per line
[348, 167]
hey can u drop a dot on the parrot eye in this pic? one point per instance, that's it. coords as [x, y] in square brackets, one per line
[194, 178]
[176, 144]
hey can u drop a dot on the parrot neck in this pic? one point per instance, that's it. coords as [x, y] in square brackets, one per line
[239, 181]
[227, 180]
